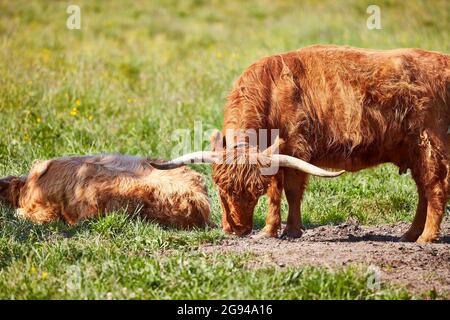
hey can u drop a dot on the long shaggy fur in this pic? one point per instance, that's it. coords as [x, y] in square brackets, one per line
[246, 166]
[349, 108]
[77, 188]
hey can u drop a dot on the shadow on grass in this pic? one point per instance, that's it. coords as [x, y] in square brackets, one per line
[111, 225]
[26, 231]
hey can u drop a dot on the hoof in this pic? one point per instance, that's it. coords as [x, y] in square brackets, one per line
[270, 231]
[261, 235]
[425, 240]
[291, 233]
[409, 237]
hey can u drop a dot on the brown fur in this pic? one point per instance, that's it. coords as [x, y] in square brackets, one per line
[246, 176]
[77, 188]
[343, 108]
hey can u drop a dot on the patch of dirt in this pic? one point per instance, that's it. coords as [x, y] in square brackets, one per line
[419, 268]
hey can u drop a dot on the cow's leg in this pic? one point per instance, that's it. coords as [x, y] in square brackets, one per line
[434, 173]
[294, 188]
[437, 200]
[418, 224]
[273, 219]
[225, 212]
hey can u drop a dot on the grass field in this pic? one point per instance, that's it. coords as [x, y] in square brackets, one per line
[135, 72]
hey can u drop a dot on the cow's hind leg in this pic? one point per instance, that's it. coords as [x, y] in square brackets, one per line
[294, 188]
[433, 174]
[437, 200]
[418, 224]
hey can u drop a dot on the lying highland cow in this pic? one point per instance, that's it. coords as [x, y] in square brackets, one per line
[342, 108]
[76, 188]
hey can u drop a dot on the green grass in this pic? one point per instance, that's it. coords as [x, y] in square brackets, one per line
[119, 258]
[136, 72]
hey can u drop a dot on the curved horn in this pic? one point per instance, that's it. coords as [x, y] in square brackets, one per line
[295, 163]
[190, 158]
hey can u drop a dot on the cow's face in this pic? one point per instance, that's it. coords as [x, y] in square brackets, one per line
[241, 183]
[239, 193]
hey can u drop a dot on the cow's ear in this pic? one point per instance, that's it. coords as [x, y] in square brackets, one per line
[15, 188]
[39, 168]
[3, 184]
[217, 141]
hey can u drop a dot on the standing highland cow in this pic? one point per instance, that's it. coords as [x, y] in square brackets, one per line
[76, 188]
[343, 108]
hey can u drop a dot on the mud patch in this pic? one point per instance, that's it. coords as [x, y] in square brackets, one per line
[419, 268]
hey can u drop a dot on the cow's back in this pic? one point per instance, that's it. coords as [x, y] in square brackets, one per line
[82, 187]
[334, 102]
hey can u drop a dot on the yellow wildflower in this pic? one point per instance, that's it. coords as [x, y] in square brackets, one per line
[74, 112]
[38, 120]
[44, 275]
[78, 102]
[91, 117]
[33, 270]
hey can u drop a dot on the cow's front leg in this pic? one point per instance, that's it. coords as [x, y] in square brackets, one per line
[226, 226]
[294, 188]
[273, 219]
